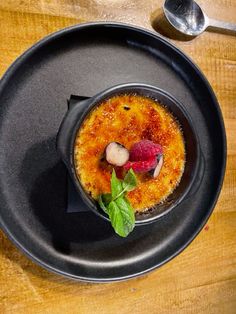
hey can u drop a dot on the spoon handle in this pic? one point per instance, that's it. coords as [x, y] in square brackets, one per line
[222, 25]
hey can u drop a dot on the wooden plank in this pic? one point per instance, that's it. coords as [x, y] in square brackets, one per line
[201, 279]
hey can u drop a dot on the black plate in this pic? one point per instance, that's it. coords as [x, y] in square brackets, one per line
[84, 60]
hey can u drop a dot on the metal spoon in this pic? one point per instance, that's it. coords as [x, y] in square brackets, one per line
[188, 18]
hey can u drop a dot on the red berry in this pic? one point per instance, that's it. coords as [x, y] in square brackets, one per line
[144, 150]
[141, 166]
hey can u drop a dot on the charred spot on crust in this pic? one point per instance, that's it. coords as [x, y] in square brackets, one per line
[126, 108]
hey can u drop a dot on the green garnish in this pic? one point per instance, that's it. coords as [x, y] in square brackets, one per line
[116, 205]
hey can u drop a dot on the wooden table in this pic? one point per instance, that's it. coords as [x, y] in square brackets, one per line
[202, 278]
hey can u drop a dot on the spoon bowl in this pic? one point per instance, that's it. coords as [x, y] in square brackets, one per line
[184, 19]
[186, 16]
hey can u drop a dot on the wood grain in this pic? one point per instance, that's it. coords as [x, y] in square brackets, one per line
[200, 280]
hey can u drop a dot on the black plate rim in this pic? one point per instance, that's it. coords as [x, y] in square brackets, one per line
[61, 32]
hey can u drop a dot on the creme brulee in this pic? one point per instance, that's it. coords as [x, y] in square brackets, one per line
[127, 119]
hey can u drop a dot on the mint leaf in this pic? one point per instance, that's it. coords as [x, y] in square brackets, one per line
[128, 210]
[116, 185]
[116, 206]
[122, 217]
[130, 181]
[104, 200]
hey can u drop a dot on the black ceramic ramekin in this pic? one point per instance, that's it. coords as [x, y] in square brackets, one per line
[194, 166]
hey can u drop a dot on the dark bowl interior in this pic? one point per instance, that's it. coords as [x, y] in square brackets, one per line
[191, 146]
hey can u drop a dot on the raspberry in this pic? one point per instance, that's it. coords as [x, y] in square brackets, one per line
[144, 150]
[141, 166]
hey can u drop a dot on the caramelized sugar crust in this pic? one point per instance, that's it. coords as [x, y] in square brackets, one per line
[128, 119]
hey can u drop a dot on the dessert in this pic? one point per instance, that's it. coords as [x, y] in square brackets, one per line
[130, 131]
